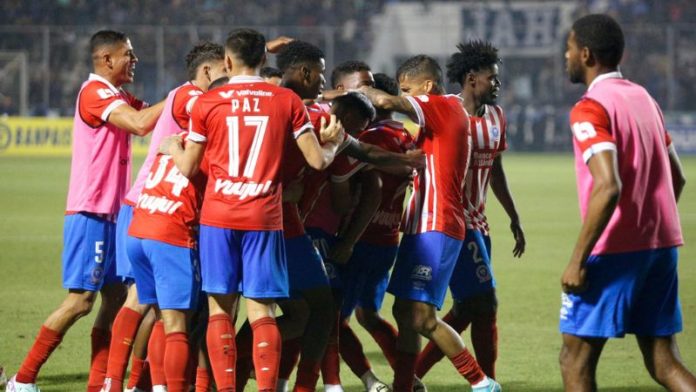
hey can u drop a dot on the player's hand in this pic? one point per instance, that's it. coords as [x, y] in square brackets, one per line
[518, 235]
[341, 252]
[169, 142]
[332, 133]
[330, 95]
[574, 279]
[275, 45]
[293, 192]
[416, 159]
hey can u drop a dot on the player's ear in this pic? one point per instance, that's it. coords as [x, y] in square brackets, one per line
[470, 78]
[306, 73]
[429, 86]
[228, 64]
[587, 57]
[206, 71]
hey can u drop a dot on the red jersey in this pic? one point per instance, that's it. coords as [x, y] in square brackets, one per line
[246, 125]
[384, 226]
[167, 207]
[436, 201]
[315, 205]
[487, 141]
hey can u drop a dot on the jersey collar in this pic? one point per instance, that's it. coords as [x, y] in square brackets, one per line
[93, 76]
[245, 79]
[608, 75]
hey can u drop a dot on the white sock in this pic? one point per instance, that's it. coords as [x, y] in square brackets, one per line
[369, 378]
[333, 388]
[282, 385]
[483, 383]
[159, 388]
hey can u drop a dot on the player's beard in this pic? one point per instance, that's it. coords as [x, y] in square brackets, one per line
[575, 73]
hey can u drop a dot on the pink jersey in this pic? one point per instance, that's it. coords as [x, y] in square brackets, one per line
[174, 119]
[245, 125]
[101, 158]
[383, 229]
[436, 201]
[487, 141]
[616, 114]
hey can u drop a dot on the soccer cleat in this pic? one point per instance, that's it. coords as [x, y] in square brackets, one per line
[418, 385]
[134, 389]
[492, 386]
[14, 386]
[379, 386]
[159, 388]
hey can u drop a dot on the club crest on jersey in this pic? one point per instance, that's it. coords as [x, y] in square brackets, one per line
[422, 272]
[495, 132]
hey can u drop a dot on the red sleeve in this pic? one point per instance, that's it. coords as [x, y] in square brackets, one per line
[379, 139]
[344, 167]
[590, 125]
[134, 102]
[502, 146]
[299, 116]
[198, 132]
[422, 105]
[97, 101]
[183, 104]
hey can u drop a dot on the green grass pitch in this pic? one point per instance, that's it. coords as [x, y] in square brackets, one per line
[32, 200]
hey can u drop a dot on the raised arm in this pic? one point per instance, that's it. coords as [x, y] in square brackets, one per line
[380, 157]
[500, 189]
[390, 102]
[137, 122]
[188, 159]
[319, 157]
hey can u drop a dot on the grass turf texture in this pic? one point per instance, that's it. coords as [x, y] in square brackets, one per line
[32, 196]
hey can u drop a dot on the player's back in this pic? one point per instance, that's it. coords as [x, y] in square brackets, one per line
[646, 216]
[246, 125]
[436, 203]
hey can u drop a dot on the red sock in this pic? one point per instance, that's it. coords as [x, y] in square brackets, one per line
[144, 382]
[46, 341]
[176, 357]
[290, 353]
[122, 336]
[307, 375]
[222, 351]
[202, 380]
[385, 336]
[466, 365]
[484, 338]
[101, 340]
[266, 351]
[432, 354]
[404, 371]
[136, 369]
[352, 350]
[155, 354]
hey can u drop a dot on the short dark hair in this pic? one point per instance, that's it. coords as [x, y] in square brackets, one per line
[270, 72]
[420, 65]
[298, 52]
[248, 45]
[353, 101]
[347, 68]
[219, 82]
[386, 83]
[106, 38]
[602, 35]
[472, 56]
[204, 51]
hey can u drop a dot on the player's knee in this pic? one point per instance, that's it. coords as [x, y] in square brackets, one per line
[368, 318]
[481, 305]
[663, 370]
[79, 306]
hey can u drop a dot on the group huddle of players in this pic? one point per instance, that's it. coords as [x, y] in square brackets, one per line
[289, 193]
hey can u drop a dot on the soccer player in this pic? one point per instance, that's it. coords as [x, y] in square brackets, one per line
[204, 64]
[105, 117]
[434, 221]
[475, 68]
[372, 254]
[622, 273]
[242, 128]
[272, 75]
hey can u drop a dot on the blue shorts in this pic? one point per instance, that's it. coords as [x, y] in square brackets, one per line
[366, 276]
[424, 267]
[250, 262]
[88, 252]
[323, 241]
[473, 274]
[123, 264]
[634, 293]
[165, 274]
[305, 266]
